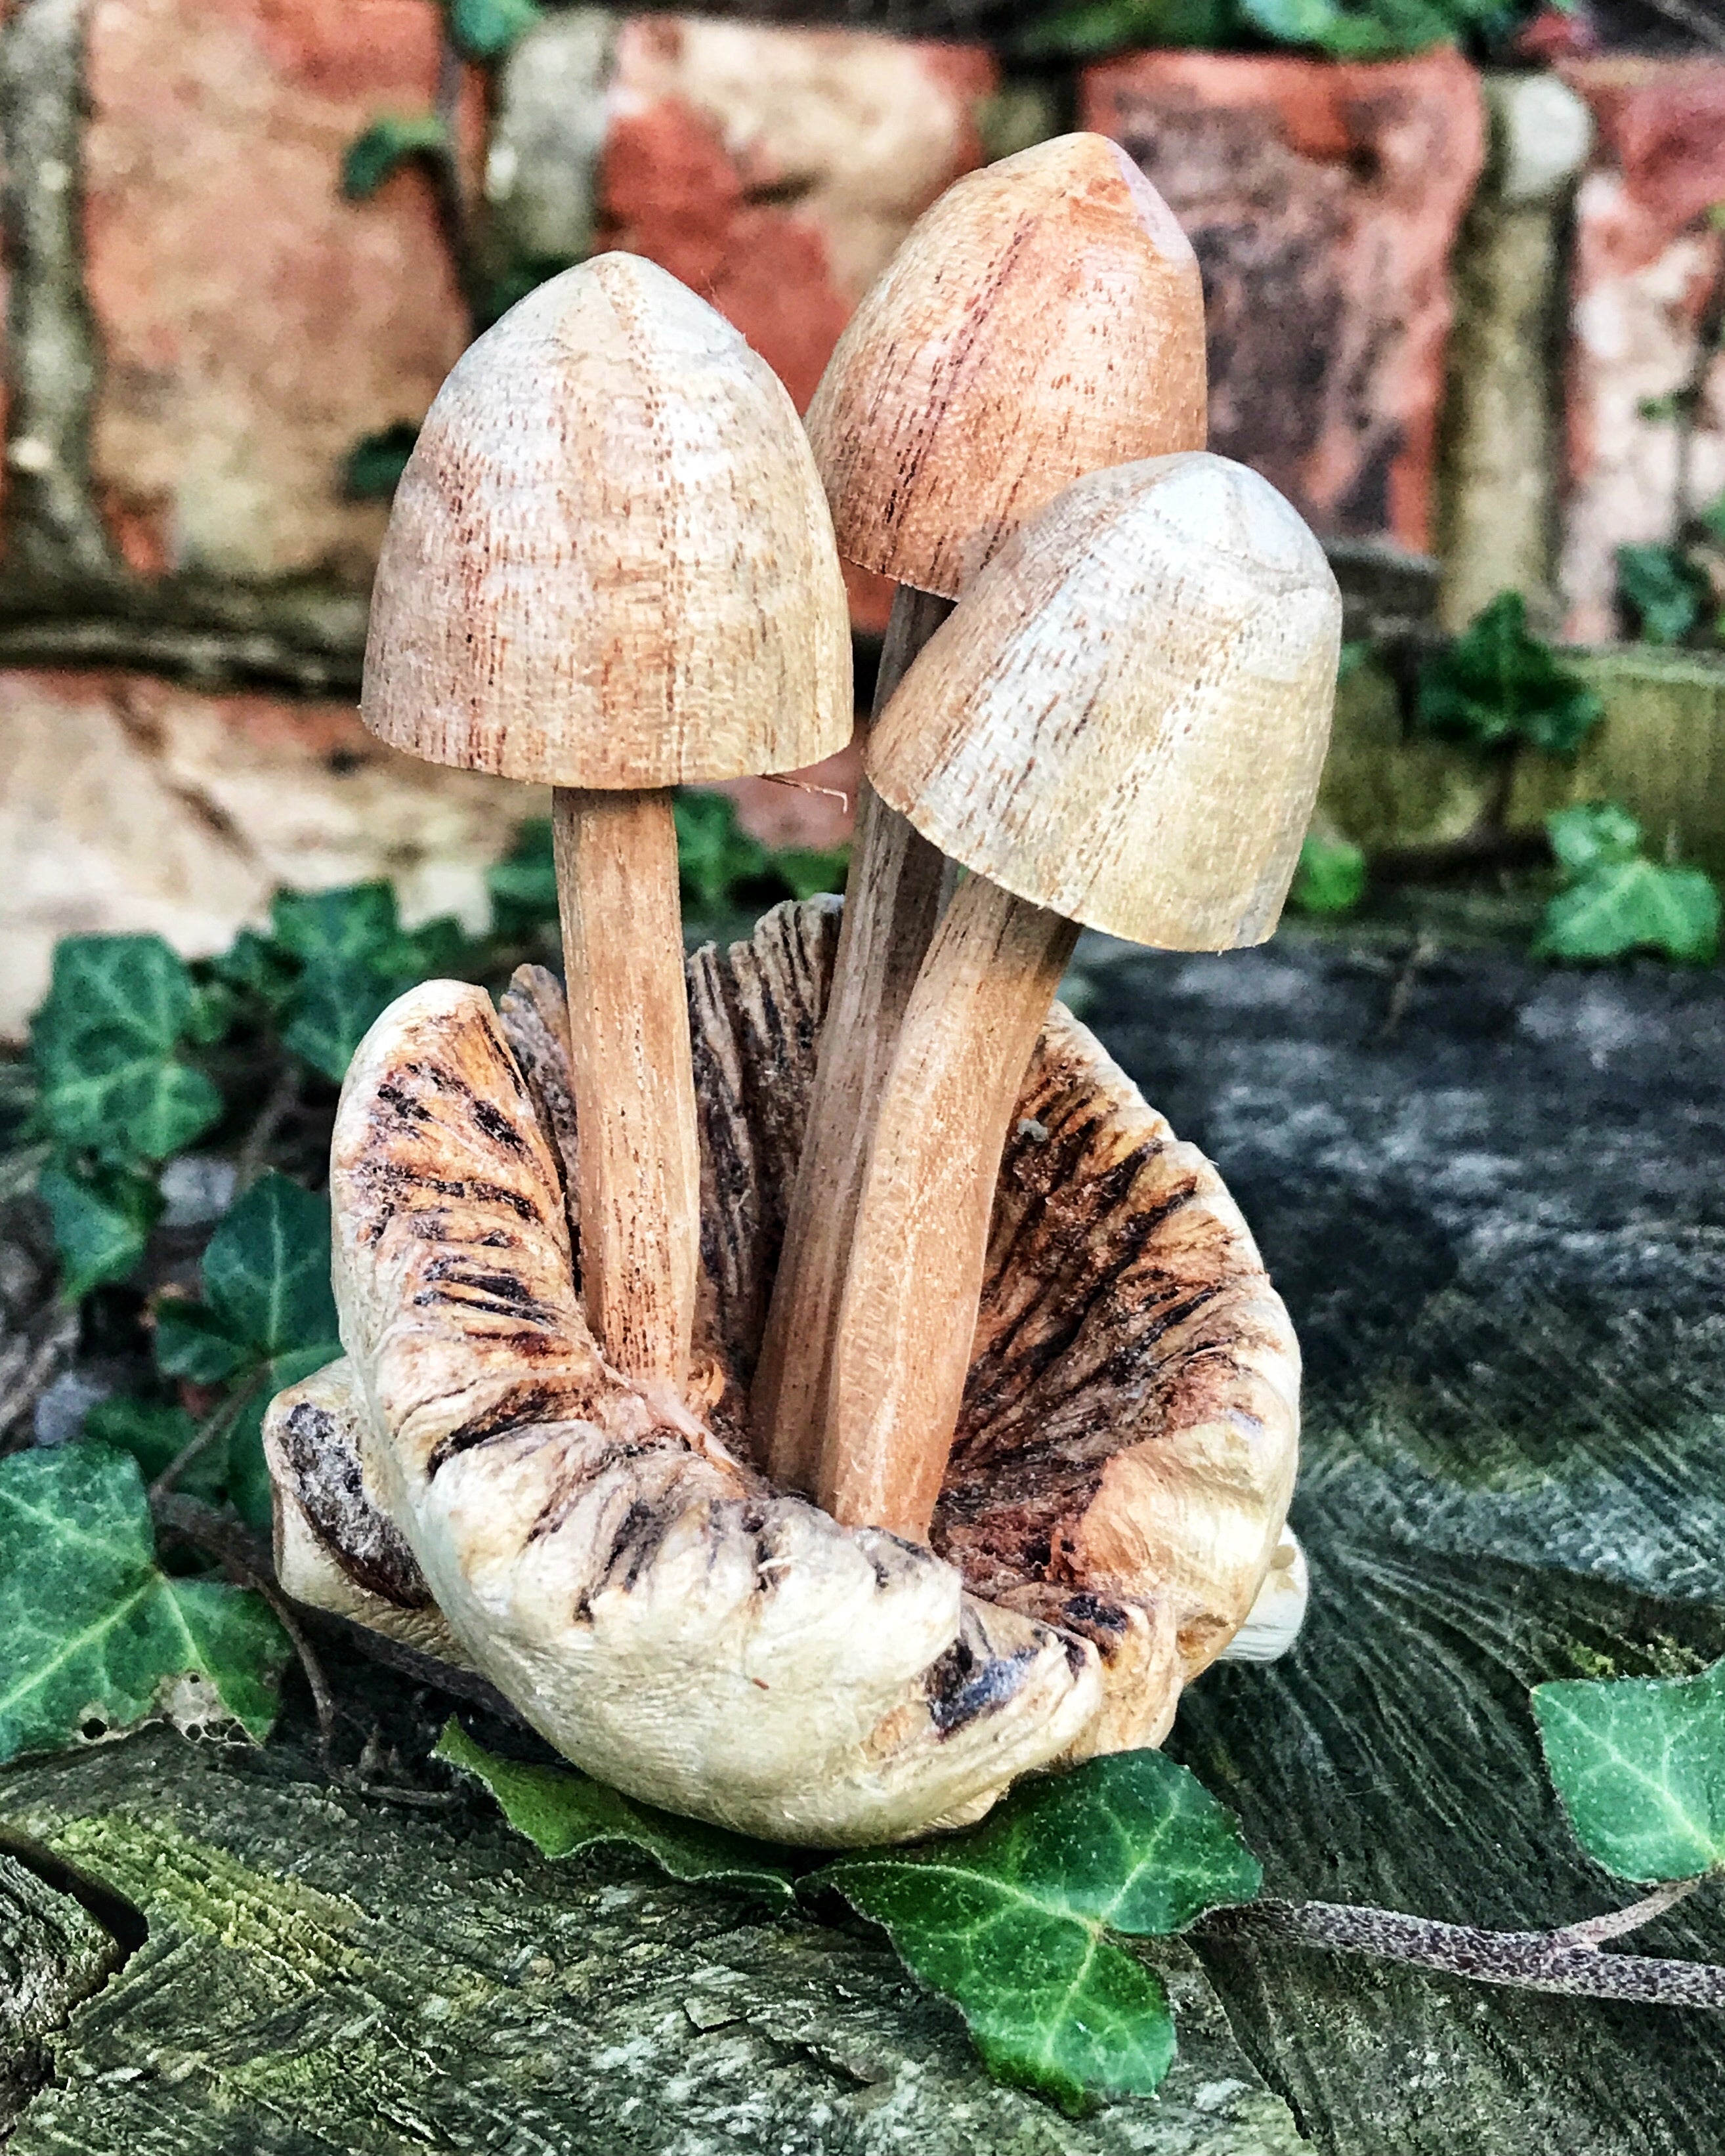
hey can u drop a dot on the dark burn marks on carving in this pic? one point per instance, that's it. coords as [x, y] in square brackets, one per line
[466, 1286]
[526, 1408]
[321, 1456]
[499, 1129]
[969, 1681]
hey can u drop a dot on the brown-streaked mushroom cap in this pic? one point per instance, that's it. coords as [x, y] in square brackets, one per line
[1115, 1499]
[610, 563]
[1045, 318]
[1124, 719]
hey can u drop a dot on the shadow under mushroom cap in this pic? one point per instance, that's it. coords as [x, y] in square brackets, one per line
[1121, 1473]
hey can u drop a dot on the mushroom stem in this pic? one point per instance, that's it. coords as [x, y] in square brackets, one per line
[909, 1308]
[639, 1162]
[892, 898]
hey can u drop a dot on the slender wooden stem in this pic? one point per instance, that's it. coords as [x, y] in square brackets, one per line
[892, 900]
[633, 1083]
[920, 1241]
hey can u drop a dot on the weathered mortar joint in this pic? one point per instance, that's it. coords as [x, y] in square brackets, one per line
[52, 357]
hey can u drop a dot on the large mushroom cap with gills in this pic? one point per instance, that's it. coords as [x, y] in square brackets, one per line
[1124, 719]
[1114, 1500]
[1044, 319]
[610, 563]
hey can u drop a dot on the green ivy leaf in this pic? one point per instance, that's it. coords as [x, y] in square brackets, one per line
[353, 960]
[1662, 589]
[715, 854]
[101, 1220]
[1497, 685]
[1592, 835]
[192, 1342]
[563, 1812]
[1640, 1764]
[1634, 905]
[485, 29]
[812, 870]
[91, 1629]
[256, 965]
[374, 465]
[386, 145]
[333, 1012]
[103, 1045]
[156, 1433]
[1330, 877]
[1104, 26]
[266, 1270]
[523, 885]
[1010, 1922]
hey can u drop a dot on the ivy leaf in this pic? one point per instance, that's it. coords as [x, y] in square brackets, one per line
[1010, 1922]
[1640, 1764]
[1634, 905]
[156, 1433]
[485, 29]
[350, 946]
[257, 965]
[191, 1341]
[333, 1012]
[1330, 877]
[267, 1319]
[374, 465]
[386, 145]
[811, 870]
[104, 1042]
[1497, 685]
[92, 1632]
[266, 1270]
[563, 1813]
[1662, 589]
[1592, 835]
[101, 1220]
[523, 885]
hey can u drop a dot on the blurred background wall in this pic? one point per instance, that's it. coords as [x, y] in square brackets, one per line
[1467, 310]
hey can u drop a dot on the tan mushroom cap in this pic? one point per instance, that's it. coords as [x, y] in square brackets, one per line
[610, 563]
[1044, 319]
[1124, 719]
[1114, 1501]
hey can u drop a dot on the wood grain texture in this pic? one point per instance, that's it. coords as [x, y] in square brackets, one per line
[639, 1593]
[1044, 319]
[609, 563]
[1125, 1312]
[892, 897]
[1125, 719]
[902, 1344]
[330, 1974]
[637, 1168]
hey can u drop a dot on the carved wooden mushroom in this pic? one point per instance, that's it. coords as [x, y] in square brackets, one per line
[1123, 724]
[663, 1615]
[1044, 319]
[610, 567]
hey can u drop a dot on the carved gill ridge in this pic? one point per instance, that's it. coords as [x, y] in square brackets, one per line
[1118, 1483]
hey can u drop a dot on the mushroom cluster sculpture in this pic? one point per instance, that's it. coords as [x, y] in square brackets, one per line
[806, 1380]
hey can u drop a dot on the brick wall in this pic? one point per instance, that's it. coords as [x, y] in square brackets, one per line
[200, 328]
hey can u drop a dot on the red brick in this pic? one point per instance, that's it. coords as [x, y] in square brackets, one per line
[1324, 201]
[253, 325]
[776, 170]
[1646, 260]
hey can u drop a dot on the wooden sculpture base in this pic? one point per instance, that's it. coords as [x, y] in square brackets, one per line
[1120, 1477]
